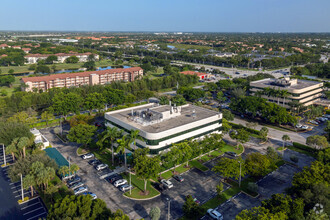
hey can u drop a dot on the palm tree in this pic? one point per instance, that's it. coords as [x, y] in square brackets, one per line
[110, 134]
[74, 168]
[64, 170]
[285, 138]
[11, 149]
[284, 94]
[134, 135]
[50, 175]
[28, 181]
[123, 143]
[22, 144]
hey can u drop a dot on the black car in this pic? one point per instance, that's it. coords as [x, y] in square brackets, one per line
[114, 179]
[76, 179]
[159, 186]
[94, 162]
[178, 178]
[233, 154]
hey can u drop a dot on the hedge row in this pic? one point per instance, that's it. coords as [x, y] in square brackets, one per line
[304, 147]
[239, 126]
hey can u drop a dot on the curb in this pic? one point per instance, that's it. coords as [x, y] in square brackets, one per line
[141, 199]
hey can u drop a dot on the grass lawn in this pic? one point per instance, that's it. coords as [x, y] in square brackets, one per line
[198, 165]
[169, 174]
[139, 187]
[105, 156]
[302, 151]
[218, 200]
[244, 185]
[228, 148]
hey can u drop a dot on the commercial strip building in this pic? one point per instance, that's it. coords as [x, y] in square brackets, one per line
[83, 78]
[161, 126]
[61, 57]
[201, 76]
[305, 92]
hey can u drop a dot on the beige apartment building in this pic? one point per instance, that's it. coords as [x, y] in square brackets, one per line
[83, 78]
[305, 92]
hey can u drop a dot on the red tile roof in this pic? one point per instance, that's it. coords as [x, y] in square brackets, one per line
[58, 54]
[26, 49]
[3, 45]
[81, 74]
[193, 73]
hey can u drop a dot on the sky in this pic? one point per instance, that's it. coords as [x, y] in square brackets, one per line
[166, 15]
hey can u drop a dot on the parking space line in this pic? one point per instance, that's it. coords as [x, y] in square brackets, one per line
[14, 183]
[33, 210]
[31, 200]
[20, 195]
[31, 205]
[37, 216]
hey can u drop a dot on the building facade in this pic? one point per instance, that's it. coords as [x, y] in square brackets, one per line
[83, 78]
[160, 126]
[61, 57]
[305, 92]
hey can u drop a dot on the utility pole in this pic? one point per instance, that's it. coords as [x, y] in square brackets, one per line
[169, 208]
[4, 154]
[240, 171]
[22, 187]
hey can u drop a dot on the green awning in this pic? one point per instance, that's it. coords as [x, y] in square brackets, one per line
[53, 153]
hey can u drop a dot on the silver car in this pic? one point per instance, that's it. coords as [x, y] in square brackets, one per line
[76, 185]
[80, 190]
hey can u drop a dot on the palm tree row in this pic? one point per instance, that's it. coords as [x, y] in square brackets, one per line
[65, 170]
[275, 93]
[18, 147]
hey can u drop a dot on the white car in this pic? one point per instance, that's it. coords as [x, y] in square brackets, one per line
[89, 193]
[80, 190]
[304, 127]
[298, 126]
[125, 187]
[215, 214]
[167, 183]
[101, 166]
[76, 185]
[120, 182]
[87, 156]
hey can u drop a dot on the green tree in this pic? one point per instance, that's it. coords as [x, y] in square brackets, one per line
[317, 141]
[264, 133]
[154, 213]
[191, 209]
[285, 138]
[11, 71]
[90, 65]
[72, 59]
[259, 213]
[42, 69]
[50, 59]
[66, 103]
[64, 171]
[257, 164]
[82, 134]
[219, 188]
[94, 101]
[47, 116]
[123, 144]
[241, 136]
[230, 168]
[29, 182]
[111, 134]
[145, 167]
[11, 149]
[74, 168]
[227, 115]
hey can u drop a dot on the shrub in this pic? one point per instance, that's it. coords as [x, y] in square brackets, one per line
[252, 187]
[303, 147]
[154, 213]
[239, 126]
[294, 159]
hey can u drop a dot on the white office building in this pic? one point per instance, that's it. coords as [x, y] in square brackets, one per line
[161, 126]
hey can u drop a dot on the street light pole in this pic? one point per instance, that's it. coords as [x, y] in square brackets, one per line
[240, 172]
[169, 208]
[130, 182]
[4, 154]
[69, 165]
[22, 187]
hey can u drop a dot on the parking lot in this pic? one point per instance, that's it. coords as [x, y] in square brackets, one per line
[12, 192]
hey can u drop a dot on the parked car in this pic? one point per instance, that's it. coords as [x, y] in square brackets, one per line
[233, 154]
[76, 179]
[214, 214]
[97, 124]
[125, 187]
[101, 166]
[87, 156]
[167, 183]
[178, 178]
[76, 185]
[120, 182]
[298, 126]
[159, 186]
[304, 127]
[89, 193]
[196, 200]
[313, 122]
[114, 179]
[94, 162]
[80, 190]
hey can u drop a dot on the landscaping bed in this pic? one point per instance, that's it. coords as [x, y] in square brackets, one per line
[137, 191]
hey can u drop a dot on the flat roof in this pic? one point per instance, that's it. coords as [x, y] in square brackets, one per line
[301, 84]
[183, 119]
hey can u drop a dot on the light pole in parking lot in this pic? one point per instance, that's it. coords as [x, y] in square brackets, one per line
[240, 171]
[22, 187]
[169, 208]
[4, 154]
[69, 158]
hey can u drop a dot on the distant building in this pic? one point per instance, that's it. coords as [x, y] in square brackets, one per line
[16, 47]
[201, 76]
[83, 78]
[160, 126]
[225, 54]
[4, 46]
[26, 50]
[61, 57]
[305, 92]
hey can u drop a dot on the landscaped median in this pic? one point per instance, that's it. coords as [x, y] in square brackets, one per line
[138, 190]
